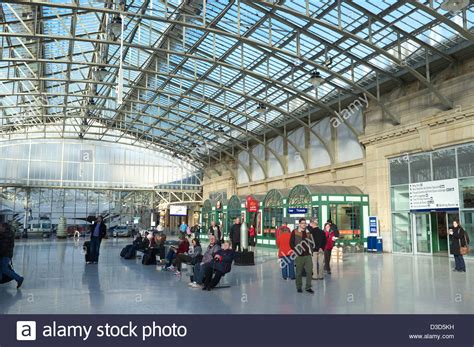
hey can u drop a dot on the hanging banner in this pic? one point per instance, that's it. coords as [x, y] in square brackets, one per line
[434, 195]
[251, 204]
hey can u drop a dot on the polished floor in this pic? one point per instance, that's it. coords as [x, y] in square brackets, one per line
[58, 281]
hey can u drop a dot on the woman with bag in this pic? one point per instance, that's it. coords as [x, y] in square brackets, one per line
[459, 241]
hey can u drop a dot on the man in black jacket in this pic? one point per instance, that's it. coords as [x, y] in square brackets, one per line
[98, 232]
[318, 251]
[235, 235]
[302, 244]
[7, 243]
[334, 228]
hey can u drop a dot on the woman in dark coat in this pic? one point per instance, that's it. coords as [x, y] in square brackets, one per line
[221, 265]
[458, 238]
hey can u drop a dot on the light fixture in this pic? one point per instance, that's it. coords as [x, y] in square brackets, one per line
[91, 103]
[454, 5]
[101, 73]
[220, 130]
[115, 27]
[261, 108]
[316, 79]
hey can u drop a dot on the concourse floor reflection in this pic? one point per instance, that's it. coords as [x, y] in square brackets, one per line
[57, 280]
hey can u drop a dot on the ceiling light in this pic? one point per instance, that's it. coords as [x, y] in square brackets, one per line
[220, 130]
[261, 108]
[454, 5]
[316, 79]
[115, 27]
[101, 73]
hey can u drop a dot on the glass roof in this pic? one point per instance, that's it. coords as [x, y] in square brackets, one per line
[195, 71]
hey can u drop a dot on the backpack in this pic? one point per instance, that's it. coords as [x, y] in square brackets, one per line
[149, 259]
[125, 251]
[131, 252]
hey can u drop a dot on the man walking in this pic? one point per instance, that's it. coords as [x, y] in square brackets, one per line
[98, 232]
[7, 243]
[235, 235]
[302, 244]
[319, 239]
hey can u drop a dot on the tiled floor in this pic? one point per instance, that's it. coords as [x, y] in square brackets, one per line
[58, 281]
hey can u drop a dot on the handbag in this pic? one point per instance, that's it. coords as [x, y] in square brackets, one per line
[464, 249]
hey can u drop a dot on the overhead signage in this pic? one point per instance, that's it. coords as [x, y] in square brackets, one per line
[178, 210]
[297, 210]
[434, 195]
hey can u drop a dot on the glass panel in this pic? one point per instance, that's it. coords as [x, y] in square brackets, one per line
[422, 227]
[348, 221]
[466, 161]
[398, 171]
[444, 164]
[467, 222]
[401, 233]
[400, 200]
[466, 190]
[420, 170]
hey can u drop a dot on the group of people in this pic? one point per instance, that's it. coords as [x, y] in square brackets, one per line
[308, 249]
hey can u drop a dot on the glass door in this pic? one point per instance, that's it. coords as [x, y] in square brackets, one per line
[450, 218]
[421, 226]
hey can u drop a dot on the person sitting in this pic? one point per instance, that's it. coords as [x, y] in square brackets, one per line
[221, 264]
[188, 257]
[200, 267]
[183, 247]
[160, 245]
[138, 241]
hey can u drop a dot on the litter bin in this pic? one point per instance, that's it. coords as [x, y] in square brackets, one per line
[371, 243]
[379, 245]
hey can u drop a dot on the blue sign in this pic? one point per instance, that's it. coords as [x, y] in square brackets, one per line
[297, 210]
[373, 225]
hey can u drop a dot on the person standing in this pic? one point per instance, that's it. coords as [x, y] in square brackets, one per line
[302, 244]
[252, 236]
[234, 235]
[285, 255]
[216, 231]
[197, 231]
[318, 251]
[183, 227]
[98, 232]
[334, 228]
[330, 238]
[282, 228]
[7, 243]
[458, 238]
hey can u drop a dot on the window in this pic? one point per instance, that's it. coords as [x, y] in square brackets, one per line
[420, 168]
[401, 235]
[400, 198]
[466, 161]
[444, 164]
[466, 190]
[398, 171]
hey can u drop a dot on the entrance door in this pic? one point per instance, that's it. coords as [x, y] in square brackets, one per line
[421, 225]
[450, 218]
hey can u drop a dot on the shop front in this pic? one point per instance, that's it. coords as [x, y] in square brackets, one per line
[273, 208]
[428, 192]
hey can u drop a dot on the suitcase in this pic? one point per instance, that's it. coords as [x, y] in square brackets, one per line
[87, 251]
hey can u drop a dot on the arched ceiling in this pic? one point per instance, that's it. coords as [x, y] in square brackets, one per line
[195, 71]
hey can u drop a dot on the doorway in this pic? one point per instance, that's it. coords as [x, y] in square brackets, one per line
[441, 223]
[430, 232]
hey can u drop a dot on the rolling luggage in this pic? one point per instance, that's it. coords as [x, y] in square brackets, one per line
[87, 251]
